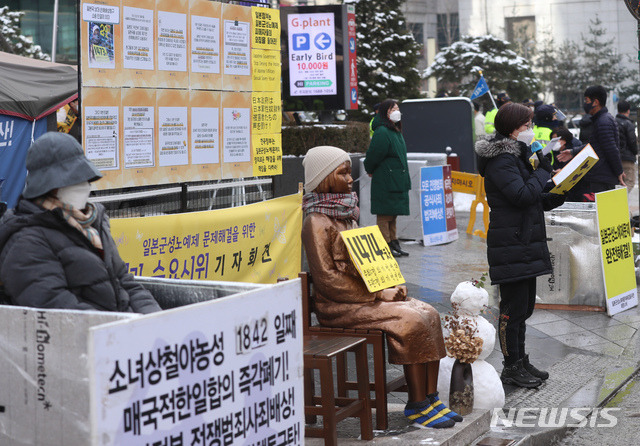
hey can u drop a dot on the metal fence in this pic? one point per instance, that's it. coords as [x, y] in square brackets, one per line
[183, 197]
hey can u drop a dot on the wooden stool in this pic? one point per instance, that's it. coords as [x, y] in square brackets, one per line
[319, 351]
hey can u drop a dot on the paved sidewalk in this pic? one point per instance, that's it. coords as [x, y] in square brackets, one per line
[589, 354]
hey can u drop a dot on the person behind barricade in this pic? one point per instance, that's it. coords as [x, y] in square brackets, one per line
[478, 120]
[628, 144]
[341, 298]
[56, 248]
[387, 165]
[517, 249]
[490, 116]
[374, 119]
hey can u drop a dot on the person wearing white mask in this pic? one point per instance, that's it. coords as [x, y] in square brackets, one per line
[386, 162]
[56, 248]
[517, 249]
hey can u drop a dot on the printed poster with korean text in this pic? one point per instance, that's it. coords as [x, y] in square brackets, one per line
[205, 47]
[255, 243]
[172, 134]
[266, 137]
[614, 230]
[101, 44]
[101, 134]
[372, 258]
[204, 138]
[172, 44]
[236, 135]
[138, 137]
[138, 43]
[225, 370]
[436, 206]
[236, 48]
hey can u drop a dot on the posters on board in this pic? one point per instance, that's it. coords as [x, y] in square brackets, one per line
[256, 243]
[172, 43]
[101, 134]
[236, 135]
[312, 54]
[265, 29]
[235, 381]
[205, 71]
[172, 133]
[436, 205]
[139, 136]
[614, 230]
[266, 112]
[236, 57]
[101, 43]
[138, 43]
[204, 109]
[267, 154]
[266, 70]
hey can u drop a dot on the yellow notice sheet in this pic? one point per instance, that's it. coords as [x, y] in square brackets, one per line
[614, 231]
[372, 258]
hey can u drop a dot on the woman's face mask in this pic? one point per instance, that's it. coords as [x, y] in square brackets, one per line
[395, 116]
[75, 195]
[526, 136]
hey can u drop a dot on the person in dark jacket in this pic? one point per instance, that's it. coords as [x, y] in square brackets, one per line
[516, 240]
[386, 162]
[628, 144]
[605, 140]
[56, 249]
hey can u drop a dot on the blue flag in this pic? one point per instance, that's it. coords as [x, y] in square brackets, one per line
[481, 88]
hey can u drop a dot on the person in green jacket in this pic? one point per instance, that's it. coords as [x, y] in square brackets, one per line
[386, 163]
[490, 116]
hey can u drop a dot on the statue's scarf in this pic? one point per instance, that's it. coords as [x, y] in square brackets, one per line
[338, 206]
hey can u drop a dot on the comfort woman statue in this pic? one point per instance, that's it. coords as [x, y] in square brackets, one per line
[341, 298]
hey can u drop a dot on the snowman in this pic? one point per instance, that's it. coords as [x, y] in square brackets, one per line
[469, 301]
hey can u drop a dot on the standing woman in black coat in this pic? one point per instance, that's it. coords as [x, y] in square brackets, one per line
[516, 240]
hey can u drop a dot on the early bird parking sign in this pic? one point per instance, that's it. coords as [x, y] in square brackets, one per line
[312, 54]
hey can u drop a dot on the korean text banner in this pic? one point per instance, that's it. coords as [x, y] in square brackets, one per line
[256, 243]
[614, 231]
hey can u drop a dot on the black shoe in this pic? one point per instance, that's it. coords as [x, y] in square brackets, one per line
[533, 370]
[395, 245]
[394, 252]
[517, 375]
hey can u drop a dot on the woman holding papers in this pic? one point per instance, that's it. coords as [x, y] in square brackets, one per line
[516, 240]
[341, 298]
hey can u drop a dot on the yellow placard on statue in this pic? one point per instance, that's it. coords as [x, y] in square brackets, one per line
[267, 154]
[257, 243]
[614, 231]
[372, 258]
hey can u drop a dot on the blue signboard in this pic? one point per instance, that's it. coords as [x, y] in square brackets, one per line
[15, 139]
[436, 205]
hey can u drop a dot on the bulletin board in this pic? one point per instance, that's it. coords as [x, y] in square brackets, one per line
[180, 90]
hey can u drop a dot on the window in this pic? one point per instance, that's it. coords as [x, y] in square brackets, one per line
[417, 29]
[448, 29]
[521, 32]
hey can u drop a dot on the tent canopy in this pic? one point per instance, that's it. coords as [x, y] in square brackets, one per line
[32, 89]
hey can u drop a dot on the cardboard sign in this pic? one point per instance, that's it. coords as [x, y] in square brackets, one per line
[614, 231]
[372, 258]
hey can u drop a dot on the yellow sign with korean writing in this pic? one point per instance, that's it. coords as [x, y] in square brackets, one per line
[614, 231]
[267, 154]
[265, 32]
[266, 112]
[372, 258]
[464, 182]
[257, 243]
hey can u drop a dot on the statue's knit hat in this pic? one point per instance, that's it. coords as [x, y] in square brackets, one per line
[319, 162]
